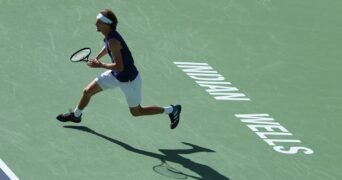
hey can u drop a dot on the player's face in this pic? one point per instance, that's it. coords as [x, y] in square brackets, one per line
[100, 26]
[97, 24]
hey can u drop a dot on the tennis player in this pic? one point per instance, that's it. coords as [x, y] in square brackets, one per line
[121, 73]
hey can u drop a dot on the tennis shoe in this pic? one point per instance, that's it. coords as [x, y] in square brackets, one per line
[175, 115]
[69, 117]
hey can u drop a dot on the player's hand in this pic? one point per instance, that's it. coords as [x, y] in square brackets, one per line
[94, 63]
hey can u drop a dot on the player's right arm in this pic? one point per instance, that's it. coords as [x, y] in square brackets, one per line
[102, 53]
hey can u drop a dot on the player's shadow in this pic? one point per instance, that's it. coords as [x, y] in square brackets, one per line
[168, 155]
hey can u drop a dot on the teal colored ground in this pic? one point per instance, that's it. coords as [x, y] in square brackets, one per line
[284, 56]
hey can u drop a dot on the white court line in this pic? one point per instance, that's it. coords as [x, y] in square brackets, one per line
[7, 171]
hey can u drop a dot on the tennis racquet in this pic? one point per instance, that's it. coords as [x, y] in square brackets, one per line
[81, 55]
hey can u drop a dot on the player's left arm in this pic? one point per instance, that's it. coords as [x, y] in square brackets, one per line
[115, 47]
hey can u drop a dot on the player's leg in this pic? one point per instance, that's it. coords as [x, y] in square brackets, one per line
[147, 110]
[88, 92]
[75, 116]
[173, 111]
[132, 91]
[104, 81]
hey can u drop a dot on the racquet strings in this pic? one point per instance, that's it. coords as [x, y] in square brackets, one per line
[80, 55]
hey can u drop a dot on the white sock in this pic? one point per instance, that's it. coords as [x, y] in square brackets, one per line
[168, 109]
[77, 112]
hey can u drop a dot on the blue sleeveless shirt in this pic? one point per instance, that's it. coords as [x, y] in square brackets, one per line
[129, 72]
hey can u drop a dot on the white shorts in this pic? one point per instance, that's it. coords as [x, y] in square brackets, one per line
[132, 89]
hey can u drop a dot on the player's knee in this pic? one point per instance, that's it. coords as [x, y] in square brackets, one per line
[87, 92]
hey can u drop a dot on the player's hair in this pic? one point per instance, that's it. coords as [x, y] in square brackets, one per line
[109, 14]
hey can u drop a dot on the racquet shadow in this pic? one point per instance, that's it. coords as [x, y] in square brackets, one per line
[168, 155]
